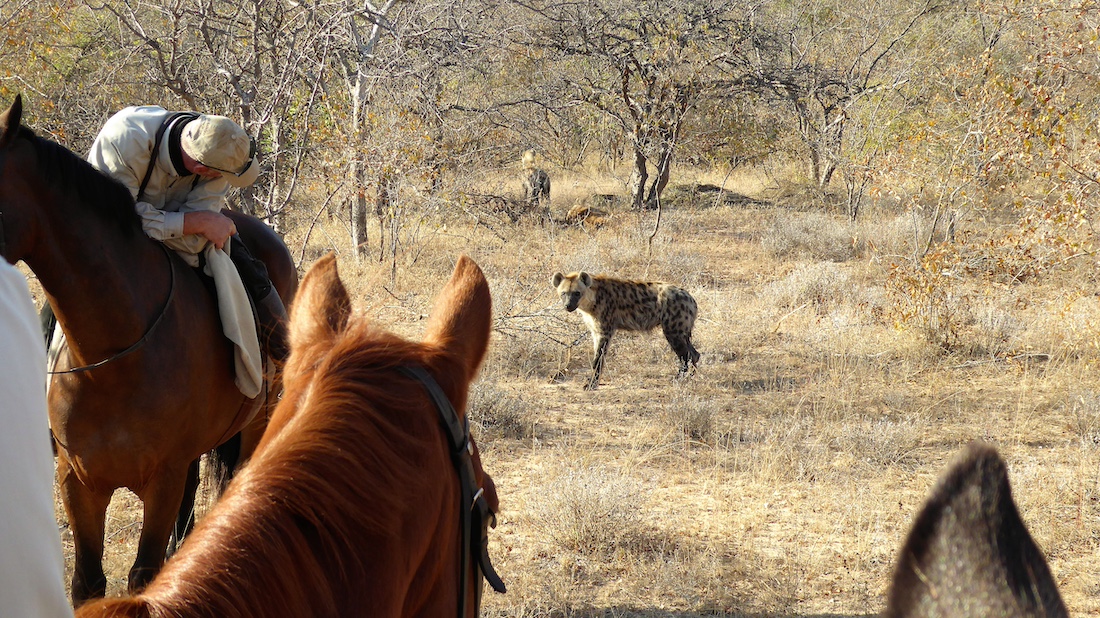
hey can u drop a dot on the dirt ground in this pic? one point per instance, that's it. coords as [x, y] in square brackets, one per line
[781, 478]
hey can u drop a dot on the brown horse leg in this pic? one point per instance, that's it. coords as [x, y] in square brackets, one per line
[162, 504]
[185, 518]
[87, 512]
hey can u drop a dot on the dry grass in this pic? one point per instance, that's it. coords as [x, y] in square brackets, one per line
[782, 477]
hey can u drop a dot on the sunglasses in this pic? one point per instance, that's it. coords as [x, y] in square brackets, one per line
[244, 168]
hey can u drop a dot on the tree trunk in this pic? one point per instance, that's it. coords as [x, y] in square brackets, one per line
[638, 179]
[358, 207]
[660, 181]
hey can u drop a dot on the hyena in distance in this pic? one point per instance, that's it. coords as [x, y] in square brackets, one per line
[536, 184]
[608, 304]
[969, 553]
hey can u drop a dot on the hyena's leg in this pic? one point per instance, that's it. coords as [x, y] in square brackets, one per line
[600, 342]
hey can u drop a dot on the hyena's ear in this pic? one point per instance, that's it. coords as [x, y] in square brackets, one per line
[556, 279]
[586, 279]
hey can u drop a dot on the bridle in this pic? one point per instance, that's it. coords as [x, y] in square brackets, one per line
[476, 515]
[144, 338]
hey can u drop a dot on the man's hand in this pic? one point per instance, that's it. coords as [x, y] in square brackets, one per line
[215, 227]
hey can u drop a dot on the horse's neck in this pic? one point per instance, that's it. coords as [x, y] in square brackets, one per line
[104, 287]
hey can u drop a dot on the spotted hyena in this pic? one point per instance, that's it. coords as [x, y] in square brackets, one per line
[536, 183]
[609, 304]
[536, 188]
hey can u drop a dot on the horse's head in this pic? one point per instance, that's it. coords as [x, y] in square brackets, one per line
[454, 344]
[9, 130]
[336, 360]
[969, 552]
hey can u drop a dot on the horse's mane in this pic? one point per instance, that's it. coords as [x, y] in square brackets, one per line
[322, 470]
[63, 169]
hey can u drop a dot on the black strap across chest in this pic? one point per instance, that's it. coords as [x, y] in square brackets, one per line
[475, 509]
[188, 117]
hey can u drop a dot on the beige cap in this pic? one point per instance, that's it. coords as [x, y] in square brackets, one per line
[221, 144]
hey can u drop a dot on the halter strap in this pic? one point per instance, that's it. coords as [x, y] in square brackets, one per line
[475, 509]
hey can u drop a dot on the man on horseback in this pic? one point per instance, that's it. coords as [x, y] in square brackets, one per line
[179, 167]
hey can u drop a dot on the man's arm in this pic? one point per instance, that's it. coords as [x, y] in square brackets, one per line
[213, 226]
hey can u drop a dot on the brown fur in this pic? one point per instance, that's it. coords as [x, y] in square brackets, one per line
[609, 304]
[350, 505]
[969, 552]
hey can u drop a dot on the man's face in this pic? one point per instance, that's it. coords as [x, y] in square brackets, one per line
[199, 169]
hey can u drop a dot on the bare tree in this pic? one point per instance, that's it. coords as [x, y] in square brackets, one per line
[824, 59]
[646, 65]
[246, 60]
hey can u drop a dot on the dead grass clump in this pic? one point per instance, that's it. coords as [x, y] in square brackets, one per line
[497, 413]
[881, 442]
[800, 195]
[904, 234]
[813, 234]
[690, 415]
[822, 285]
[531, 355]
[589, 509]
[1084, 419]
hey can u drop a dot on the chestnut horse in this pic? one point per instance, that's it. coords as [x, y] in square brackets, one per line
[147, 385]
[351, 504]
[969, 553]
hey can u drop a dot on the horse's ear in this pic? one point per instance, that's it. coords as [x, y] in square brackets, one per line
[462, 316]
[969, 552]
[9, 121]
[322, 306]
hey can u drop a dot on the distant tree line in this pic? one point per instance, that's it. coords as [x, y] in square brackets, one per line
[355, 100]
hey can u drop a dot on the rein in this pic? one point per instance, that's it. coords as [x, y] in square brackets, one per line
[475, 509]
[144, 338]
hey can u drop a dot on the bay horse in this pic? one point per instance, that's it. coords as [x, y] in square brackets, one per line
[350, 505]
[147, 384]
[969, 553]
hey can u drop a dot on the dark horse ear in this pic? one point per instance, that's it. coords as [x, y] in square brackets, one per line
[322, 306]
[969, 552]
[462, 317]
[9, 122]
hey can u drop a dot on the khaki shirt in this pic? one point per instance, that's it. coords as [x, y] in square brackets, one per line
[122, 150]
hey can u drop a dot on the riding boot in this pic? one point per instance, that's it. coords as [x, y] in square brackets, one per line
[272, 318]
[271, 315]
[49, 322]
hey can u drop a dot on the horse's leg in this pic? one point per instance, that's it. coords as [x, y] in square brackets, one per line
[185, 518]
[162, 501]
[87, 511]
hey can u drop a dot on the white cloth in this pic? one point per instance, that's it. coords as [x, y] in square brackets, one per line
[32, 567]
[238, 323]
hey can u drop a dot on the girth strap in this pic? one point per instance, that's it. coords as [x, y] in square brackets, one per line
[476, 515]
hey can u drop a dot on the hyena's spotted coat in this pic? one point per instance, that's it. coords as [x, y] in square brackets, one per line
[609, 304]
